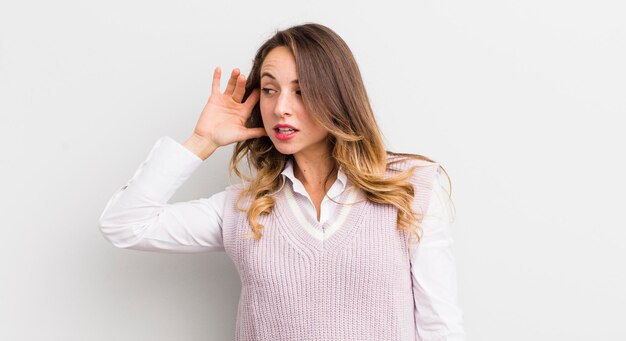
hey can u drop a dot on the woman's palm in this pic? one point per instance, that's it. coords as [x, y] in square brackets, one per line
[223, 118]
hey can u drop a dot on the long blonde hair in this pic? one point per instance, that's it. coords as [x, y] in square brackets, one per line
[332, 89]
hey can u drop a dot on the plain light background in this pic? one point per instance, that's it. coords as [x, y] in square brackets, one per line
[519, 100]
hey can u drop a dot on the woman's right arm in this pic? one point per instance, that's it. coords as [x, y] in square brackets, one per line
[138, 215]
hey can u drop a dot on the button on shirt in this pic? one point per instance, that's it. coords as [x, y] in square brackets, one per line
[138, 216]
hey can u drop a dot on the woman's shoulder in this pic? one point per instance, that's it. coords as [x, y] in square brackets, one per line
[425, 170]
[235, 186]
[399, 162]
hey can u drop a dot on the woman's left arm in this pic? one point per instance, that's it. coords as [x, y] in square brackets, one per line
[437, 315]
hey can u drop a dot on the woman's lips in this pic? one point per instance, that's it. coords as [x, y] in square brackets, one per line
[285, 135]
[284, 131]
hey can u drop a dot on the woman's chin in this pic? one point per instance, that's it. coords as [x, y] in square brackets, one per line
[285, 150]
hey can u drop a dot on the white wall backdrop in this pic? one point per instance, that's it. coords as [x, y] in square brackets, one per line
[519, 100]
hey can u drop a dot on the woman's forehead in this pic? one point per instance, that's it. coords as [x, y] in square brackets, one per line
[278, 57]
[278, 66]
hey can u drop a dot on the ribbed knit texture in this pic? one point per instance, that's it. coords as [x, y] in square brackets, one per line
[347, 279]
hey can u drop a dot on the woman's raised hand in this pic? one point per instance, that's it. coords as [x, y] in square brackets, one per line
[223, 118]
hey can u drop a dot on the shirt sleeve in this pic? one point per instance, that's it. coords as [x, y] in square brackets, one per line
[138, 215]
[437, 316]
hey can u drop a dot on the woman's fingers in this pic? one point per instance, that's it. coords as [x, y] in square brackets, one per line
[251, 101]
[236, 86]
[232, 82]
[240, 88]
[235, 89]
[215, 86]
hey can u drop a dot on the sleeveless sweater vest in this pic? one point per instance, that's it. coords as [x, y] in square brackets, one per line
[347, 279]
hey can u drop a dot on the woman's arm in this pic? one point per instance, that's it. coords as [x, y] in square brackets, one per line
[138, 216]
[437, 314]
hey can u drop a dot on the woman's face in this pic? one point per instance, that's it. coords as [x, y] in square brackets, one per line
[281, 104]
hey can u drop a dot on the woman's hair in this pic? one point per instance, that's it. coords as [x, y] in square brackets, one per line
[333, 93]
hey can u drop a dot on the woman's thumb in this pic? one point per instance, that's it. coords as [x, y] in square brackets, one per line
[255, 132]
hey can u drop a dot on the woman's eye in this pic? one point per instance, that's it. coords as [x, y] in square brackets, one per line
[267, 91]
[299, 93]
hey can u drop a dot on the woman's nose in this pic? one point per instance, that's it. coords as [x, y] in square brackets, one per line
[283, 104]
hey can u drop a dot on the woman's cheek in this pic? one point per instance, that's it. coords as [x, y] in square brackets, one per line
[265, 107]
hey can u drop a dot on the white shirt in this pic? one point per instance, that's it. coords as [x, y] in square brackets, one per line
[138, 216]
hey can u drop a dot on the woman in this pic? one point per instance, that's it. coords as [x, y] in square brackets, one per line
[324, 233]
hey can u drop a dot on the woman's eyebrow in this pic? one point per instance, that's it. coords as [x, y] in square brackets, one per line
[265, 73]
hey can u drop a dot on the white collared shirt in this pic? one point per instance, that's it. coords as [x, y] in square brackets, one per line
[328, 206]
[138, 216]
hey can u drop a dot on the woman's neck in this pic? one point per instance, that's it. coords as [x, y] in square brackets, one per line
[312, 172]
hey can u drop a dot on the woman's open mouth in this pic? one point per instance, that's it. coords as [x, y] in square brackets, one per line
[284, 134]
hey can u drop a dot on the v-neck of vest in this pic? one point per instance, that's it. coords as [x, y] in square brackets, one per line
[304, 230]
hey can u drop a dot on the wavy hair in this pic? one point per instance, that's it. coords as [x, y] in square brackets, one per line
[332, 88]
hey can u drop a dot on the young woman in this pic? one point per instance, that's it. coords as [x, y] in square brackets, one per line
[334, 237]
